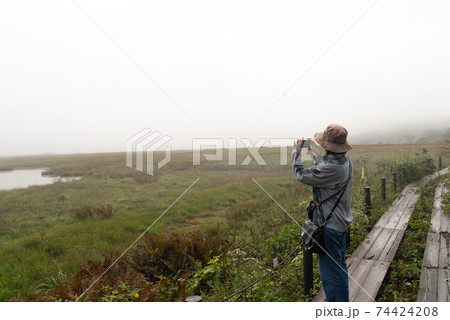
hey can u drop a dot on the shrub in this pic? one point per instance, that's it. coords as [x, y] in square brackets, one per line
[415, 166]
[173, 255]
[215, 273]
[446, 200]
[141, 177]
[103, 212]
[282, 244]
[157, 271]
[106, 211]
[82, 213]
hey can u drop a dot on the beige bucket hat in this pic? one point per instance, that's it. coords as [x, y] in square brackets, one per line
[334, 139]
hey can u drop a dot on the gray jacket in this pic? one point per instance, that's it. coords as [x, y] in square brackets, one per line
[327, 177]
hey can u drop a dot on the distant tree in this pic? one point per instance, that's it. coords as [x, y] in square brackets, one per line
[424, 140]
[432, 134]
[446, 134]
[409, 138]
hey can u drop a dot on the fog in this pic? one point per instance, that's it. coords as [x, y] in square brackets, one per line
[85, 76]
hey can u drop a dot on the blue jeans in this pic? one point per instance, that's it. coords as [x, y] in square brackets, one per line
[334, 278]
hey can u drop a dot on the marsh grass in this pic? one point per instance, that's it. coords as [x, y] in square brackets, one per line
[40, 242]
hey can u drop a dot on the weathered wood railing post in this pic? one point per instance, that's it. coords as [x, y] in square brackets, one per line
[403, 177]
[440, 163]
[307, 271]
[383, 189]
[394, 179]
[367, 199]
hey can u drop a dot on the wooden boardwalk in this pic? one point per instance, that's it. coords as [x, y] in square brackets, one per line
[434, 278]
[370, 262]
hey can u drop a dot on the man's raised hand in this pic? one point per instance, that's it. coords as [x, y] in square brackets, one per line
[299, 142]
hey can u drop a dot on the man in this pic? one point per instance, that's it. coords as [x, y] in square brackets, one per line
[330, 177]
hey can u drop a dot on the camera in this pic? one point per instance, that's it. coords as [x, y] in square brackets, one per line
[306, 144]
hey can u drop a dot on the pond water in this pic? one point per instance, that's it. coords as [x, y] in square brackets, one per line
[19, 179]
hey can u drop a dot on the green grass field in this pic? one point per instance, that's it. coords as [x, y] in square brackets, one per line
[42, 244]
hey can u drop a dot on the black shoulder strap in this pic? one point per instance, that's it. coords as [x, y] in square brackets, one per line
[342, 184]
[335, 205]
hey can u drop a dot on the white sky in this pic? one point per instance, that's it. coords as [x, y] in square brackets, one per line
[66, 87]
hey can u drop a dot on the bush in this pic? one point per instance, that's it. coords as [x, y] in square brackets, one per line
[282, 244]
[174, 255]
[106, 211]
[215, 273]
[103, 212]
[417, 166]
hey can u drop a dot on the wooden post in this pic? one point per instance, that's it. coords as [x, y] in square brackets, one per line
[383, 189]
[394, 179]
[440, 163]
[367, 199]
[403, 176]
[307, 271]
[194, 299]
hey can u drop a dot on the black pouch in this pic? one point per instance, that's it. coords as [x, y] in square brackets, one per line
[312, 235]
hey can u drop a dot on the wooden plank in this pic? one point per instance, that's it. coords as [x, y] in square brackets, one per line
[406, 194]
[438, 193]
[431, 254]
[442, 285]
[392, 219]
[404, 200]
[391, 213]
[445, 223]
[402, 223]
[443, 252]
[423, 280]
[390, 246]
[394, 203]
[359, 274]
[432, 176]
[437, 212]
[395, 218]
[386, 238]
[320, 297]
[391, 254]
[389, 251]
[409, 201]
[428, 285]
[352, 264]
[421, 295]
[367, 243]
[432, 285]
[413, 199]
[373, 282]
